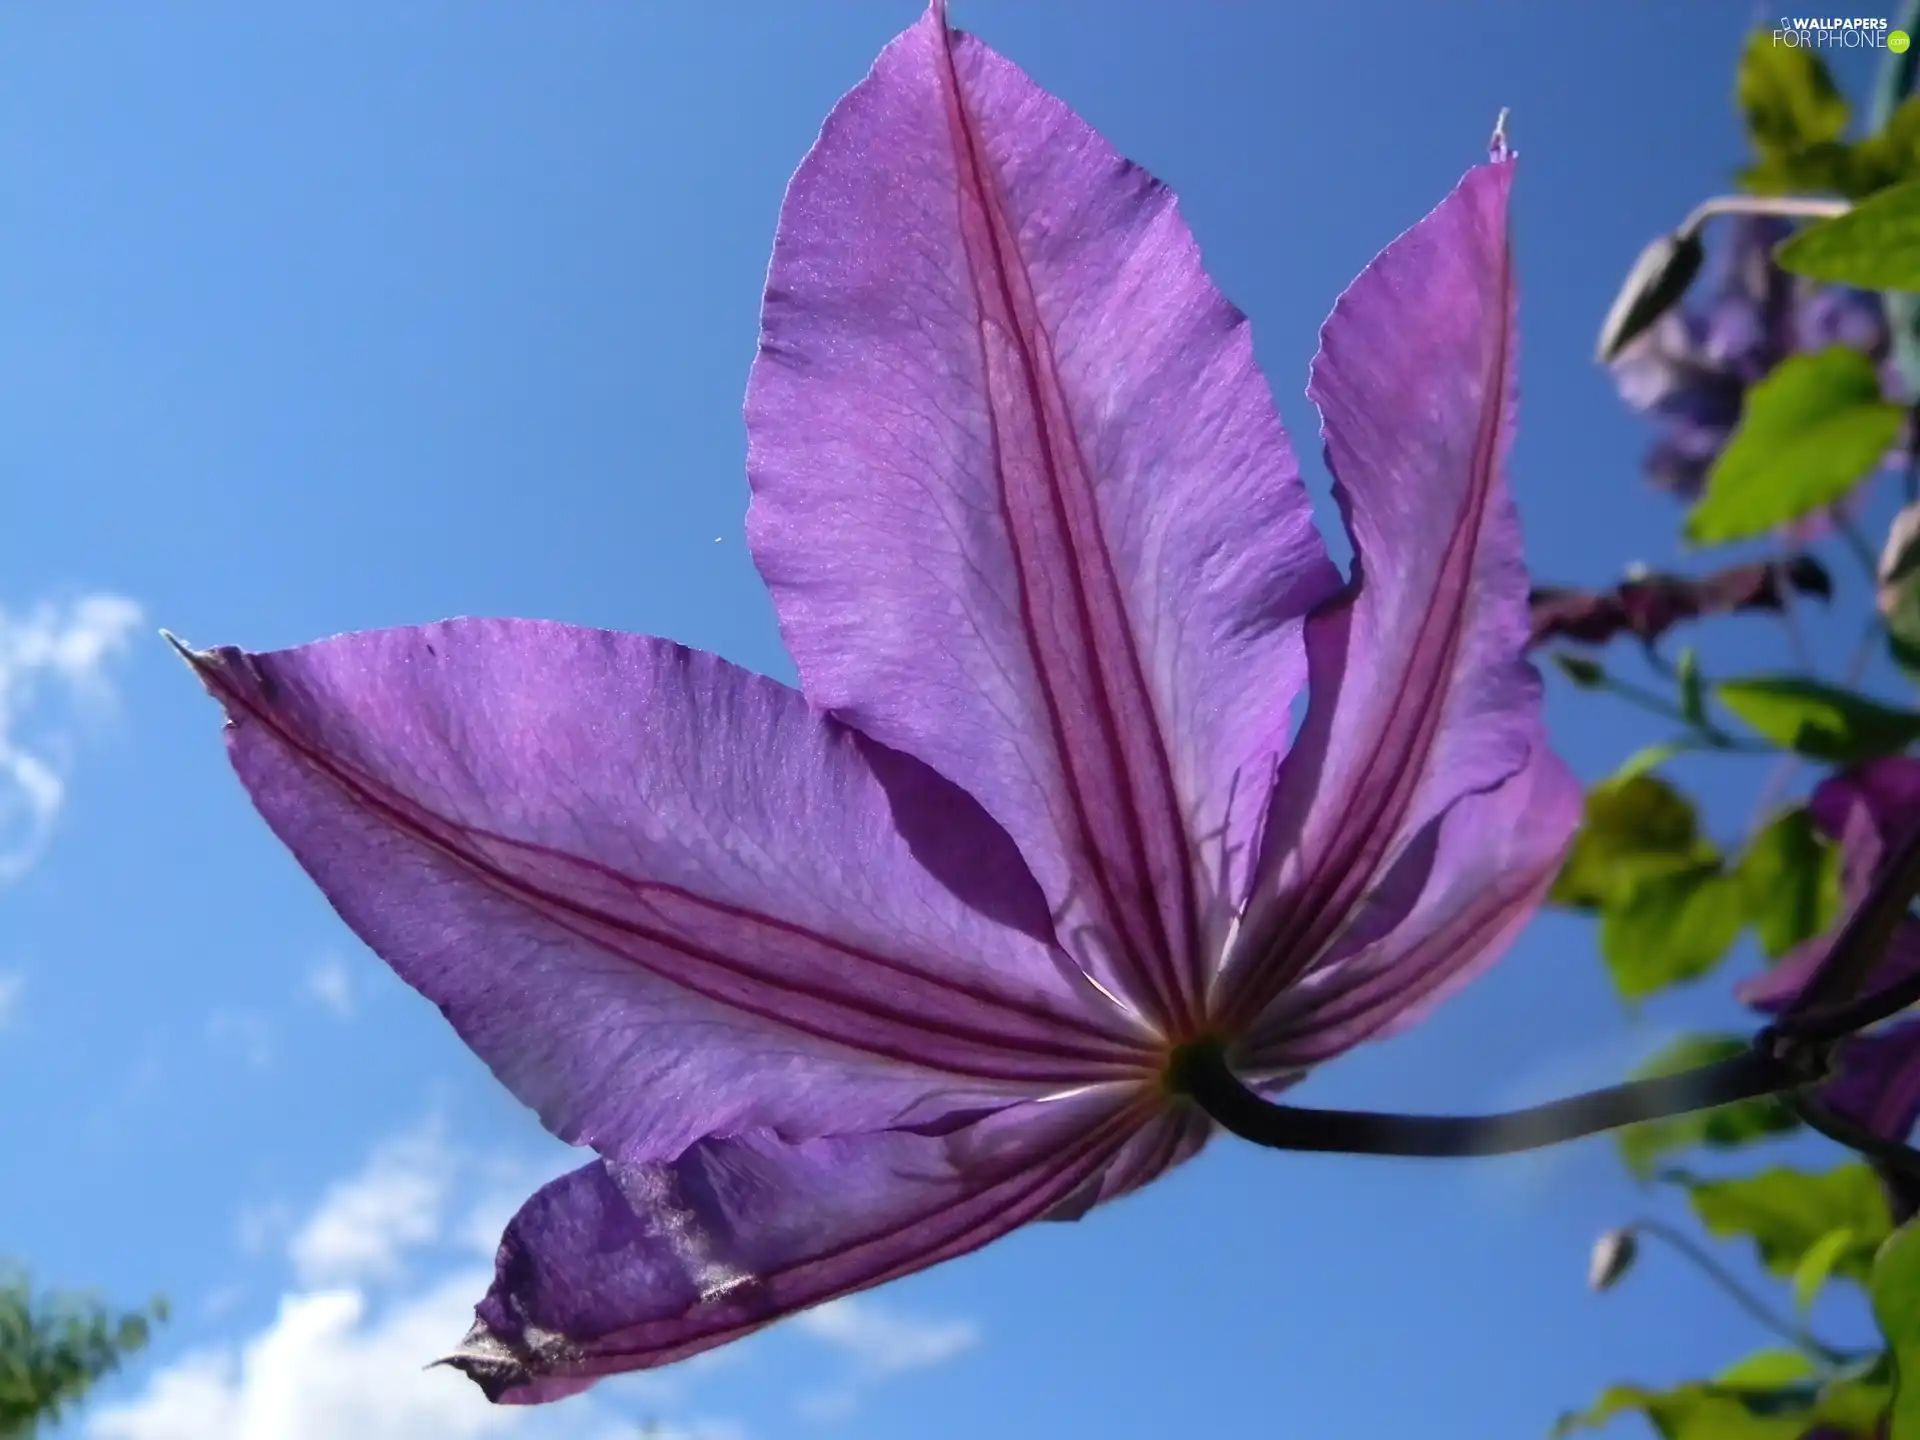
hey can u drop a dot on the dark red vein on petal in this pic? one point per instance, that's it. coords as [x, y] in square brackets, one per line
[1406, 983]
[1363, 838]
[1134, 903]
[1079, 1063]
[1048, 1182]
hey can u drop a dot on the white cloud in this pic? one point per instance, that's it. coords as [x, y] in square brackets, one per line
[344, 1355]
[331, 984]
[328, 1366]
[880, 1342]
[246, 1032]
[884, 1342]
[13, 985]
[70, 645]
[365, 1224]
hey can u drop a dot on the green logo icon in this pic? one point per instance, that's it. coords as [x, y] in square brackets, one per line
[1897, 41]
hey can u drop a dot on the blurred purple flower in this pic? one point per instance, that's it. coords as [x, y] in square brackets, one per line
[1653, 602]
[840, 984]
[1692, 369]
[1868, 811]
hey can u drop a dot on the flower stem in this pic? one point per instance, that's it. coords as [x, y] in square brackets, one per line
[1203, 1074]
[1799, 1337]
[1799, 207]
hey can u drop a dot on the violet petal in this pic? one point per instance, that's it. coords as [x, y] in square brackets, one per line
[1023, 500]
[660, 896]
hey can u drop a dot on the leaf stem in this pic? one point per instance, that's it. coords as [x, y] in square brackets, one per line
[1702, 1260]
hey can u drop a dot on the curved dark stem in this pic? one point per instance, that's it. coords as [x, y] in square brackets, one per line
[1892, 1156]
[1204, 1075]
[1739, 1294]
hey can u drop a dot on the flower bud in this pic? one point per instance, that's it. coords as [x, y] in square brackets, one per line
[1613, 1255]
[1654, 286]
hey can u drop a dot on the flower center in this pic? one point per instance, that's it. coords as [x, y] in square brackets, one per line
[1176, 1072]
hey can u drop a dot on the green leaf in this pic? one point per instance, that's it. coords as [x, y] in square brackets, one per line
[1670, 928]
[1822, 722]
[54, 1348]
[1816, 1266]
[1829, 166]
[1650, 758]
[1693, 695]
[1786, 1213]
[1898, 591]
[1875, 246]
[1895, 1288]
[1635, 825]
[1790, 880]
[1726, 1127]
[1889, 157]
[1688, 1412]
[1789, 100]
[1768, 1395]
[1808, 433]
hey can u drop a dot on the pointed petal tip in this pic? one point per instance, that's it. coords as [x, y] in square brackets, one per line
[1499, 150]
[486, 1360]
[203, 663]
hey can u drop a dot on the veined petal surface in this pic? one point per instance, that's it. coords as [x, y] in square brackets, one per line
[619, 1267]
[1024, 503]
[1419, 693]
[662, 897]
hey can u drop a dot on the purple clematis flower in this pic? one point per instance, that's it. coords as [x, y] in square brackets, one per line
[1692, 369]
[844, 982]
[1868, 811]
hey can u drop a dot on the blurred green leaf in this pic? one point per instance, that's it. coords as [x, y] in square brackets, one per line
[55, 1347]
[1875, 246]
[1771, 1395]
[1895, 1288]
[1670, 928]
[1790, 880]
[1787, 97]
[1885, 158]
[1898, 592]
[1649, 758]
[1642, 1146]
[1635, 825]
[1810, 1276]
[1809, 432]
[1786, 1213]
[1822, 722]
[1693, 694]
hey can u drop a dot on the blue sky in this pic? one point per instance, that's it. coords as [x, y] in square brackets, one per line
[319, 317]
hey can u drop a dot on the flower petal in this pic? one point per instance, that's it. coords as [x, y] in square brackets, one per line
[660, 896]
[1479, 873]
[623, 1267]
[1879, 1082]
[1419, 692]
[1868, 810]
[1024, 503]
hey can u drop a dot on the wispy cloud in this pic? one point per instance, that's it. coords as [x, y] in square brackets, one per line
[384, 1280]
[244, 1031]
[63, 649]
[13, 987]
[365, 1224]
[880, 1342]
[331, 983]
